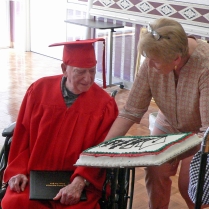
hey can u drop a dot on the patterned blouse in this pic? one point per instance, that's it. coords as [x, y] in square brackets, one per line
[184, 107]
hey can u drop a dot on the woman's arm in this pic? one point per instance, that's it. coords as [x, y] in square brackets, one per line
[119, 128]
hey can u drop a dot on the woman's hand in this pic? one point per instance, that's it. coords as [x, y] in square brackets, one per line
[70, 195]
[18, 183]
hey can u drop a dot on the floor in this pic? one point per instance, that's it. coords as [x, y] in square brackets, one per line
[20, 69]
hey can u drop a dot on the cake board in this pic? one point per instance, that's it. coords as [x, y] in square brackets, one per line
[138, 151]
[115, 156]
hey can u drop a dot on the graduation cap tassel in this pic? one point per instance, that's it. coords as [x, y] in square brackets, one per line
[103, 67]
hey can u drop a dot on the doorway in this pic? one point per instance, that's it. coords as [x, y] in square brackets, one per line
[4, 24]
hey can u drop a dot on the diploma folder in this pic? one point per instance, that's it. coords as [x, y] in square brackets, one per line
[44, 185]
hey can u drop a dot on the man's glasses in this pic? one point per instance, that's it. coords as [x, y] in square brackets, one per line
[155, 34]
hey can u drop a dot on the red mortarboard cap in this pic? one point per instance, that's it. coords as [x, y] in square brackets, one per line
[80, 53]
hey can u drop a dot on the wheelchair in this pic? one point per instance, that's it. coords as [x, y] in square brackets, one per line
[120, 180]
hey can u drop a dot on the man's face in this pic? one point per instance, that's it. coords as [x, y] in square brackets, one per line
[79, 79]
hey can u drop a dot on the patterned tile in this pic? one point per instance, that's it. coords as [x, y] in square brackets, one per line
[190, 13]
[166, 10]
[206, 16]
[144, 7]
[125, 4]
[107, 3]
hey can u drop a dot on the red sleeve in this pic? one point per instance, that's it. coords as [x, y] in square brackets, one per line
[19, 151]
[96, 176]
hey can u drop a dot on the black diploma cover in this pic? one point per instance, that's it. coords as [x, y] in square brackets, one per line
[44, 185]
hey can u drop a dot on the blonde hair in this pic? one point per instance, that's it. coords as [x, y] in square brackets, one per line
[172, 42]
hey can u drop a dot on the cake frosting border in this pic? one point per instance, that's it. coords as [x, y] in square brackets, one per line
[139, 161]
[133, 154]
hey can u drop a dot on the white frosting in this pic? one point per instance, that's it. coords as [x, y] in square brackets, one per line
[136, 144]
[146, 160]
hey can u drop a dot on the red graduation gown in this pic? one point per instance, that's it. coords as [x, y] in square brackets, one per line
[50, 136]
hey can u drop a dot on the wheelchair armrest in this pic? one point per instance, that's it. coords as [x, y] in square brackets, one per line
[113, 94]
[4, 153]
[3, 191]
[8, 132]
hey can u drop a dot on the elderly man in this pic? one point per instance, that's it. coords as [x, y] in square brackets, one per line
[60, 116]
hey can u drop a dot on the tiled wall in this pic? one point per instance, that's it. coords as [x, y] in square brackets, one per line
[134, 14]
[184, 11]
[191, 14]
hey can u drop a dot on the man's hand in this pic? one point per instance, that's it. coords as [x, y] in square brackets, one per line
[70, 195]
[18, 183]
